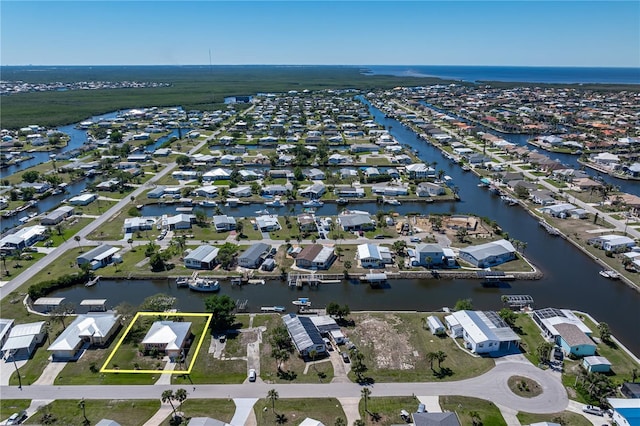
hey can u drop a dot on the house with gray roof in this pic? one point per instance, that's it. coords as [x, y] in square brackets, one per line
[23, 339]
[203, 257]
[92, 329]
[98, 257]
[356, 222]
[304, 334]
[489, 254]
[254, 255]
[428, 255]
[436, 419]
[224, 223]
[156, 192]
[314, 191]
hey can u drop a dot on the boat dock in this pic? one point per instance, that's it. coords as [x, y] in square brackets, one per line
[550, 229]
[515, 301]
[241, 305]
[298, 280]
[93, 282]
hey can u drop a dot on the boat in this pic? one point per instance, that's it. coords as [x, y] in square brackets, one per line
[264, 211]
[92, 282]
[208, 203]
[302, 301]
[466, 168]
[313, 203]
[510, 201]
[391, 201]
[308, 210]
[273, 309]
[342, 201]
[609, 273]
[277, 202]
[203, 284]
[182, 282]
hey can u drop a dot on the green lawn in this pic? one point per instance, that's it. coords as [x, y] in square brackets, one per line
[386, 410]
[68, 412]
[15, 267]
[395, 348]
[10, 406]
[68, 230]
[219, 409]
[97, 207]
[530, 336]
[463, 406]
[563, 418]
[325, 410]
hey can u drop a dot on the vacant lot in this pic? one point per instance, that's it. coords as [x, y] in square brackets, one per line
[294, 411]
[68, 412]
[395, 346]
[386, 411]
[486, 412]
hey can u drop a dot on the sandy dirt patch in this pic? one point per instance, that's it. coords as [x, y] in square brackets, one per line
[390, 349]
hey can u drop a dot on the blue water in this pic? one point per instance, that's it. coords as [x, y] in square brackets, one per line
[505, 73]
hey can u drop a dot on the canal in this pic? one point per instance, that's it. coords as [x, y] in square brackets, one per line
[571, 279]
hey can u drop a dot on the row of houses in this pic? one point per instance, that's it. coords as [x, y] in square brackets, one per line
[204, 256]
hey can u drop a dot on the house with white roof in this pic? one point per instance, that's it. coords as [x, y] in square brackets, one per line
[626, 412]
[207, 191]
[313, 191]
[488, 254]
[92, 329]
[83, 199]
[482, 332]
[23, 339]
[240, 191]
[216, 174]
[267, 223]
[203, 257]
[180, 221]
[373, 256]
[224, 223]
[143, 223]
[420, 171]
[566, 329]
[429, 189]
[356, 222]
[605, 159]
[24, 237]
[612, 242]
[169, 337]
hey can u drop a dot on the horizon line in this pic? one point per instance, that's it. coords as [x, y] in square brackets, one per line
[320, 65]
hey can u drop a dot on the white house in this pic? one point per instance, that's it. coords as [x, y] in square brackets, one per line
[373, 256]
[483, 332]
[613, 242]
[429, 189]
[267, 223]
[169, 337]
[420, 171]
[435, 325]
[488, 254]
[82, 199]
[94, 329]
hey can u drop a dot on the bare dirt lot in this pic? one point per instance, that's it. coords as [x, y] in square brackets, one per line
[392, 348]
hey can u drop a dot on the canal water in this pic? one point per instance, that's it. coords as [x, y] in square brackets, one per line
[571, 279]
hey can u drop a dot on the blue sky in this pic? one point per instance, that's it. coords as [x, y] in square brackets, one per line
[538, 33]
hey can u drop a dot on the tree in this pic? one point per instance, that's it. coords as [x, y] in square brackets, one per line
[340, 422]
[357, 365]
[180, 396]
[605, 332]
[157, 262]
[365, 393]
[332, 308]
[158, 303]
[359, 422]
[30, 176]
[463, 305]
[544, 352]
[508, 316]
[60, 312]
[476, 420]
[338, 250]
[77, 238]
[182, 160]
[281, 346]
[440, 357]
[168, 396]
[461, 234]
[431, 356]
[273, 396]
[399, 246]
[222, 307]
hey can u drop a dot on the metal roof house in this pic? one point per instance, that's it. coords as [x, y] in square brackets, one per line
[224, 223]
[5, 329]
[489, 254]
[254, 255]
[98, 257]
[169, 337]
[93, 329]
[483, 331]
[203, 257]
[304, 334]
[356, 222]
[23, 238]
[626, 412]
[435, 419]
[83, 199]
[57, 216]
[23, 339]
[373, 256]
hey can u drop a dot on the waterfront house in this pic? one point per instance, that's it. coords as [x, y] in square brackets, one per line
[605, 159]
[281, 174]
[38, 187]
[328, 327]
[267, 223]
[612, 242]
[83, 199]
[240, 191]
[231, 159]
[429, 189]
[315, 256]
[156, 192]
[274, 190]
[371, 172]
[315, 174]
[482, 332]
[561, 210]
[344, 191]
[57, 216]
[420, 171]
[428, 255]
[254, 255]
[391, 190]
[304, 335]
[306, 223]
[314, 191]
[207, 191]
[249, 175]
[224, 223]
[337, 159]
[488, 254]
[566, 329]
[98, 257]
[348, 173]
[180, 221]
[356, 222]
[22, 340]
[573, 341]
[203, 257]
[373, 256]
[23, 238]
[596, 364]
[216, 174]
[143, 223]
[92, 329]
[360, 148]
[168, 337]
[542, 196]
[108, 185]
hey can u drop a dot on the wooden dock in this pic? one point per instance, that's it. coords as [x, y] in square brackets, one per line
[299, 280]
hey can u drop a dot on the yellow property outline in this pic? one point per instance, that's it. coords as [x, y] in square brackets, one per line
[103, 369]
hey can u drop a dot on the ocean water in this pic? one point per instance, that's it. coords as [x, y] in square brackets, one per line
[519, 74]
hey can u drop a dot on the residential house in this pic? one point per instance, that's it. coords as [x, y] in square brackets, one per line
[274, 190]
[92, 329]
[249, 175]
[185, 175]
[307, 223]
[231, 159]
[429, 189]
[435, 419]
[240, 191]
[356, 222]
[337, 159]
[267, 223]
[83, 199]
[344, 191]
[23, 238]
[98, 257]
[208, 191]
[613, 242]
[371, 172]
[420, 171]
[566, 329]
[428, 255]
[561, 210]
[143, 223]
[347, 173]
[304, 335]
[5, 329]
[542, 196]
[314, 191]
[168, 337]
[57, 216]
[435, 325]
[482, 332]
[315, 174]
[180, 221]
[573, 341]
[626, 412]
[156, 192]
[315, 256]
[391, 190]
[23, 339]
[282, 174]
[367, 147]
[216, 174]
[488, 254]
[224, 223]
[203, 257]
[373, 256]
[596, 364]
[254, 255]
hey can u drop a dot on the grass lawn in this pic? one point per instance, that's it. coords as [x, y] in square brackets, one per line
[219, 409]
[210, 370]
[68, 230]
[10, 406]
[529, 332]
[387, 408]
[463, 406]
[95, 208]
[15, 267]
[112, 229]
[319, 373]
[517, 265]
[68, 412]
[395, 348]
[564, 418]
[325, 410]
[524, 386]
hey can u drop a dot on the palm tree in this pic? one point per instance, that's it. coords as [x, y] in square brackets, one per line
[358, 422]
[167, 396]
[180, 396]
[440, 357]
[77, 238]
[365, 393]
[431, 356]
[273, 396]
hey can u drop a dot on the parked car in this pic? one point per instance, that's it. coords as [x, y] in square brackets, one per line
[415, 239]
[404, 415]
[345, 357]
[591, 409]
[252, 375]
[17, 418]
[557, 353]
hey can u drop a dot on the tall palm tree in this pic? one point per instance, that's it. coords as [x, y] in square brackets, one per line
[273, 396]
[440, 357]
[180, 396]
[431, 356]
[168, 396]
[365, 393]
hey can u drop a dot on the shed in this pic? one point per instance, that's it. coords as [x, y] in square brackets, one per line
[47, 304]
[269, 265]
[435, 325]
[93, 305]
[596, 364]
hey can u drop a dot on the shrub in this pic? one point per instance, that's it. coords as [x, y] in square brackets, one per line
[43, 288]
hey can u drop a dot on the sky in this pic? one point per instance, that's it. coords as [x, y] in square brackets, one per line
[518, 33]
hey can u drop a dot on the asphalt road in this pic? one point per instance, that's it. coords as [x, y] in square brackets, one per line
[490, 386]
